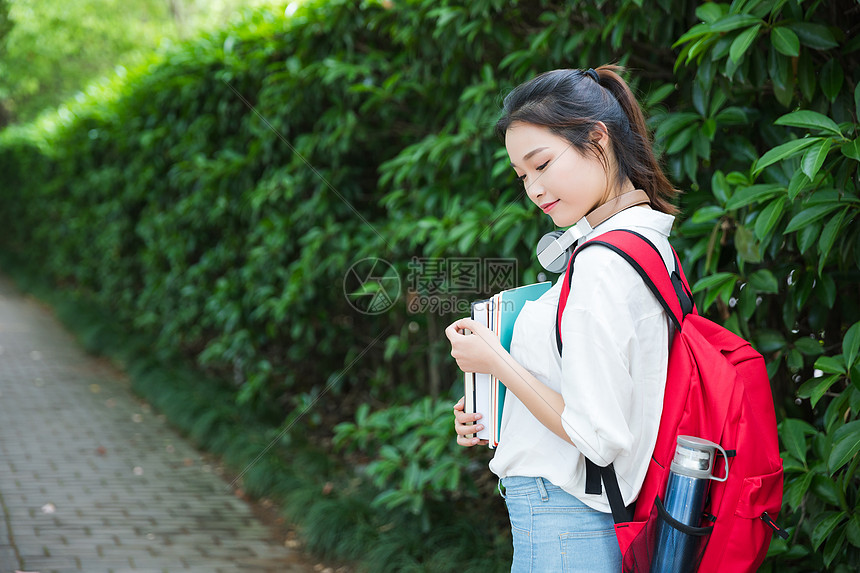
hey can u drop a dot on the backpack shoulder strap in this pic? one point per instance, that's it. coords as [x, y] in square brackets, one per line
[672, 291]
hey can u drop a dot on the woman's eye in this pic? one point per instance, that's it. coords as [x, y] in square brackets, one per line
[539, 168]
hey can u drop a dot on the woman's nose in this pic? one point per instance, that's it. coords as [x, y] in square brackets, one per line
[535, 189]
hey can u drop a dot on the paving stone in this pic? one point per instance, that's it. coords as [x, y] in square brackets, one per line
[91, 479]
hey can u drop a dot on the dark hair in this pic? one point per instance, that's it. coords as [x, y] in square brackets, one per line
[570, 102]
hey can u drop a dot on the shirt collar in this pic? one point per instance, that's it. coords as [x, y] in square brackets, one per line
[634, 217]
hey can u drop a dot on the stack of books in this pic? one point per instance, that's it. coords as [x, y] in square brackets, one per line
[485, 394]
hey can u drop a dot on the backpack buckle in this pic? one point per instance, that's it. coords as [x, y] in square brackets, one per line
[772, 524]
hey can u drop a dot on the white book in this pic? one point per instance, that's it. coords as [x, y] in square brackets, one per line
[478, 384]
[485, 393]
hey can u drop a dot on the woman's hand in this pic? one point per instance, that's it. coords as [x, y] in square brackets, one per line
[461, 418]
[480, 351]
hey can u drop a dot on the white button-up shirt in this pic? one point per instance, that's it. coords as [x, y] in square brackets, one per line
[612, 372]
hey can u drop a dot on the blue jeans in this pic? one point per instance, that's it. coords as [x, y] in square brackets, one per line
[555, 532]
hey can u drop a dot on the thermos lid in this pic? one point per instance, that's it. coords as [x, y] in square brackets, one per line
[694, 457]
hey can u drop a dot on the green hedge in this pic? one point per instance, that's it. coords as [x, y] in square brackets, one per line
[224, 233]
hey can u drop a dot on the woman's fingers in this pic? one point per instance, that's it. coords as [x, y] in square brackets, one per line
[461, 421]
[461, 417]
[468, 442]
[462, 424]
[458, 328]
[463, 429]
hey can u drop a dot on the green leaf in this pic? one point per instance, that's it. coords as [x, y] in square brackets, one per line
[832, 79]
[834, 416]
[742, 43]
[852, 532]
[716, 279]
[746, 303]
[680, 141]
[785, 41]
[780, 71]
[813, 158]
[851, 149]
[851, 345]
[659, 94]
[825, 526]
[689, 160]
[823, 487]
[830, 195]
[717, 101]
[834, 546]
[720, 187]
[806, 75]
[737, 178]
[799, 181]
[814, 388]
[809, 120]
[707, 213]
[825, 290]
[674, 123]
[746, 245]
[828, 237]
[791, 464]
[730, 68]
[709, 128]
[709, 12]
[814, 35]
[846, 444]
[857, 100]
[809, 346]
[783, 151]
[794, 360]
[732, 116]
[831, 364]
[724, 292]
[752, 194]
[769, 341]
[807, 236]
[769, 217]
[699, 96]
[764, 281]
[796, 490]
[810, 215]
[695, 32]
[733, 22]
[792, 433]
[697, 48]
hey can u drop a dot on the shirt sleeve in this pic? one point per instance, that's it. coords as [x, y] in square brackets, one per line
[599, 334]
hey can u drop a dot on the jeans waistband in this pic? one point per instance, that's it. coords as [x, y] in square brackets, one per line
[526, 483]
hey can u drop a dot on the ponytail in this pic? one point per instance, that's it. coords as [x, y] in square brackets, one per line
[570, 102]
[638, 154]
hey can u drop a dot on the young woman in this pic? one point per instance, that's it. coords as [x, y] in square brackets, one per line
[577, 139]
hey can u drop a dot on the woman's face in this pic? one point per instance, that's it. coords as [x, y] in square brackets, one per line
[563, 183]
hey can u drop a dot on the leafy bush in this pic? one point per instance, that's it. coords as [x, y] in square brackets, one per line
[772, 121]
[214, 197]
[414, 462]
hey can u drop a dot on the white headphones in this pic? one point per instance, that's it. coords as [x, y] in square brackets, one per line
[555, 248]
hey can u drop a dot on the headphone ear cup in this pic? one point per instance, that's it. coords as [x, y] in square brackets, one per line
[558, 265]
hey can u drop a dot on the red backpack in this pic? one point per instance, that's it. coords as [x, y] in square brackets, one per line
[717, 388]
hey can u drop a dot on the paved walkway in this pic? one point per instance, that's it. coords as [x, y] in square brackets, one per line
[92, 480]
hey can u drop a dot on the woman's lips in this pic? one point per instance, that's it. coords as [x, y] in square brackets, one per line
[547, 207]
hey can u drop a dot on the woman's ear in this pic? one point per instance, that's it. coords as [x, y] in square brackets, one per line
[600, 135]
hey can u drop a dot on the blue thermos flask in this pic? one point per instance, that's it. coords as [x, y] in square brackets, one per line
[686, 491]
